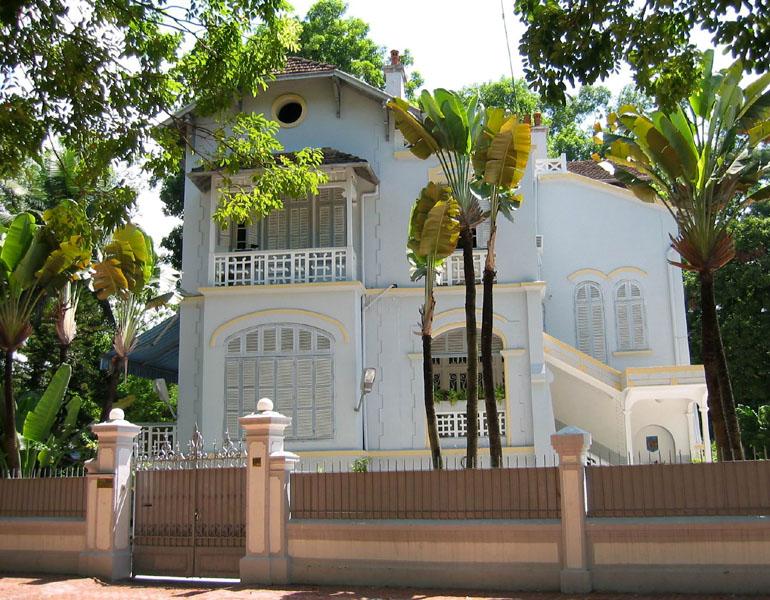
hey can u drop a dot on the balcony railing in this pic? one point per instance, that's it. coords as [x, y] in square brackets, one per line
[551, 165]
[271, 267]
[452, 271]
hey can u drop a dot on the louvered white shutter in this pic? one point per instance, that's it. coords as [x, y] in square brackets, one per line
[266, 379]
[252, 235]
[249, 386]
[299, 227]
[339, 226]
[232, 396]
[589, 320]
[223, 238]
[324, 426]
[305, 398]
[483, 228]
[630, 317]
[276, 227]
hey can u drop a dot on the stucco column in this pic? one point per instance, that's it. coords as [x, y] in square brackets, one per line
[629, 442]
[705, 432]
[571, 444]
[108, 501]
[267, 512]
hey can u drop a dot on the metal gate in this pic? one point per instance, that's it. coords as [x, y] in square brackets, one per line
[189, 511]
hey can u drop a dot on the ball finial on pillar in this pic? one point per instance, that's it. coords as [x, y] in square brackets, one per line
[117, 414]
[264, 405]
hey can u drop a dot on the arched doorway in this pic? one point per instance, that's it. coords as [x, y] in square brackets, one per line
[450, 361]
[654, 444]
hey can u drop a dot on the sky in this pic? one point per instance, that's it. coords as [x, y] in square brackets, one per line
[454, 43]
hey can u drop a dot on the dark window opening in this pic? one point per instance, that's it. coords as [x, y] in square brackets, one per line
[290, 113]
[240, 237]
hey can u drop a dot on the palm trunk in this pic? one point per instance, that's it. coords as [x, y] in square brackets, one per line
[430, 407]
[472, 383]
[487, 310]
[112, 388]
[9, 424]
[63, 351]
[710, 356]
[728, 400]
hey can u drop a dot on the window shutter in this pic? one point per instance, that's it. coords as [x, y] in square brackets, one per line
[266, 377]
[324, 425]
[589, 320]
[252, 235]
[630, 317]
[249, 387]
[324, 226]
[223, 238]
[339, 226]
[299, 217]
[276, 230]
[232, 396]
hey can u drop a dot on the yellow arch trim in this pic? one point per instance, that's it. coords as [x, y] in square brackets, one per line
[461, 325]
[453, 311]
[582, 272]
[619, 270]
[280, 311]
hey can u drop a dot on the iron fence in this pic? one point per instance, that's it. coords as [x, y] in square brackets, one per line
[508, 493]
[43, 493]
[679, 489]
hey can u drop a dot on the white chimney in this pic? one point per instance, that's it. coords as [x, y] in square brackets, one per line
[395, 76]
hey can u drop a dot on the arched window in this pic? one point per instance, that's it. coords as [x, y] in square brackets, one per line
[289, 363]
[589, 320]
[450, 368]
[630, 317]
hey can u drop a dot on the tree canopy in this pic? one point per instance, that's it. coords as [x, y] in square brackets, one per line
[568, 42]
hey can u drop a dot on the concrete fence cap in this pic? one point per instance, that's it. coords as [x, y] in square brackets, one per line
[264, 405]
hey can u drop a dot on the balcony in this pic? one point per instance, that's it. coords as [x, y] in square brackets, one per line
[452, 271]
[273, 267]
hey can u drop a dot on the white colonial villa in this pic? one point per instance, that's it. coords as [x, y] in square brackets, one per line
[589, 316]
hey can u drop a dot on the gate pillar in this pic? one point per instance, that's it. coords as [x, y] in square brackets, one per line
[108, 501]
[571, 444]
[267, 474]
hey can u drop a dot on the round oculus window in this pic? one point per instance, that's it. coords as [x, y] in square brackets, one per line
[289, 110]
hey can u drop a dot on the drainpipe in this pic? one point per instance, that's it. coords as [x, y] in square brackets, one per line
[363, 199]
[364, 307]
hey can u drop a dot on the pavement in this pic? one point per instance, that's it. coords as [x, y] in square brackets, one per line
[81, 588]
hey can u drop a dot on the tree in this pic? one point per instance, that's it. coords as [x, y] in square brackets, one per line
[499, 162]
[703, 160]
[172, 198]
[97, 77]
[512, 95]
[568, 41]
[127, 274]
[742, 292]
[448, 128]
[329, 36]
[433, 232]
[35, 260]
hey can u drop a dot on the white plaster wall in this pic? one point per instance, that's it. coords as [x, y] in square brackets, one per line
[592, 225]
[671, 415]
[333, 309]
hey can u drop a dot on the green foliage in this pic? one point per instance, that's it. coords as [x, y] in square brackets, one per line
[512, 95]
[360, 465]
[568, 42]
[142, 404]
[249, 143]
[742, 290]
[172, 199]
[755, 429]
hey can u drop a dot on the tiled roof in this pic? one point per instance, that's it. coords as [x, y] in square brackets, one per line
[331, 156]
[296, 65]
[592, 170]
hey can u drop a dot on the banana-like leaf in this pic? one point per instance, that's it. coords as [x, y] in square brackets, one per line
[760, 132]
[433, 232]
[686, 153]
[17, 240]
[73, 408]
[508, 155]
[24, 276]
[72, 255]
[109, 279]
[421, 143]
[441, 230]
[38, 424]
[128, 264]
[159, 301]
[125, 402]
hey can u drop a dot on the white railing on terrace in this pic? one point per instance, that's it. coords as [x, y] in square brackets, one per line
[452, 271]
[581, 361]
[270, 267]
[551, 165]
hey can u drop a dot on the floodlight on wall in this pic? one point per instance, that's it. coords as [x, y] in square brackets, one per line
[367, 383]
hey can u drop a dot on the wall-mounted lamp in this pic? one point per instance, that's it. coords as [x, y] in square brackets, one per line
[370, 374]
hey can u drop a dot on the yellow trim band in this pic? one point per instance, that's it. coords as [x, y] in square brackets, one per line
[280, 311]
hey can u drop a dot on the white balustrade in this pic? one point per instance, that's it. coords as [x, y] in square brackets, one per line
[452, 271]
[551, 165]
[271, 267]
